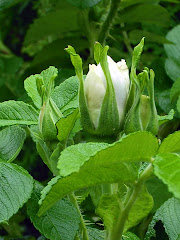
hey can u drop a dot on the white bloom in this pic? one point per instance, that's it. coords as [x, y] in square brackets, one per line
[95, 88]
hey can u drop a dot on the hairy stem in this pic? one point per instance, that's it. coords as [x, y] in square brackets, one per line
[109, 21]
[117, 232]
[73, 200]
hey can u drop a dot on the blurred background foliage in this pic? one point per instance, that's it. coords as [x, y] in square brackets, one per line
[34, 33]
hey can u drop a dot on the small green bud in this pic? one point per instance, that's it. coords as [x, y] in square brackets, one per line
[48, 118]
[143, 113]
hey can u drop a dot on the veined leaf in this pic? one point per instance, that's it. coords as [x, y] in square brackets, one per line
[15, 188]
[11, 141]
[30, 84]
[91, 173]
[58, 223]
[171, 144]
[167, 168]
[175, 90]
[17, 112]
[66, 94]
[130, 236]
[169, 214]
[135, 147]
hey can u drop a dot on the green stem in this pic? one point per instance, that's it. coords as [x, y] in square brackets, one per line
[117, 232]
[73, 200]
[109, 21]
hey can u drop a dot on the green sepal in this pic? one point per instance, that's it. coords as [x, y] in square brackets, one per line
[85, 117]
[109, 123]
[98, 49]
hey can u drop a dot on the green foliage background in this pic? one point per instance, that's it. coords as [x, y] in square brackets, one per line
[33, 36]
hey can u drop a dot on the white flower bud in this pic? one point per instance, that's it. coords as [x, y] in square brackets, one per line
[95, 88]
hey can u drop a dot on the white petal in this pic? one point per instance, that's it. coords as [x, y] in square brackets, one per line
[94, 92]
[120, 78]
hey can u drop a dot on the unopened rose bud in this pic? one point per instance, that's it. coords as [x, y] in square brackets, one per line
[95, 88]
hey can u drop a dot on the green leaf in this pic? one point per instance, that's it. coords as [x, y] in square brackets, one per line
[130, 236]
[91, 173]
[53, 24]
[11, 141]
[8, 3]
[167, 168]
[146, 13]
[46, 78]
[59, 222]
[65, 125]
[17, 112]
[73, 157]
[172, 68]
[139, 146]
[137, 35]
[175, 90]
[178, 104]
[171, 144]
[165, 118]
[136, 54]
[41, 146]
[140, 209]
[15, 188]
[172, 64]
[159, 192]
[95, 234]
[109, 209]
[169, 214]
[83, 3]
[66, 94]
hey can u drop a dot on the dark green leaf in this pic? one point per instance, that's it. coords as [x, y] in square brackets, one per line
[16, 112]
[58, 223]
[11, 141]
[15, 188]
[146, 13]
[169, 214]
[83, 3]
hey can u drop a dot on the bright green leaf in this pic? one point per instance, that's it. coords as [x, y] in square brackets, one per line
[16, 112]
[66, 94]
[73, 157]
[15, 188]
[65, 125]
[93, 172]
[58, 223]
[138, 146]
[46, 78]
[140, 209]
[11, 141]
[167, 168]
[130, 236]
[165, 118]
[171, 144]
